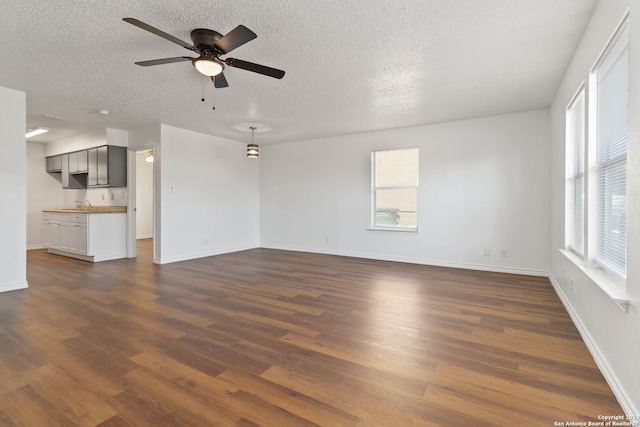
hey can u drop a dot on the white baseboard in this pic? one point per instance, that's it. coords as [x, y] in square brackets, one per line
[196, 255]
[409, 260]
[13, 286]
[623, 398]
[34, 247]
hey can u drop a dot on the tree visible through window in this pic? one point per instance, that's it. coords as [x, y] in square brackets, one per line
[395, 188]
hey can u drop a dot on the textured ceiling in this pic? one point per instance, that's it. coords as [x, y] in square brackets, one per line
[350, 67]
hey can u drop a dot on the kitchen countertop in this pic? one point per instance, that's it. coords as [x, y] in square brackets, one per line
[85, 209]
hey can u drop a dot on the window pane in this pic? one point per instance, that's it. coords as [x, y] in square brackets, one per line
[613, 94]
[396, 168]
[613, 211]
[611, 155]
[578, 215]
[575, 209]
[396, 207]
[577, 135]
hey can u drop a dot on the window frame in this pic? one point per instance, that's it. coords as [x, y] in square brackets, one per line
[611, 281]
[375, 188]
[576, 171]
[596, 167]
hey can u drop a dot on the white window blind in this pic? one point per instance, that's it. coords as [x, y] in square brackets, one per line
[610, 156]
[576, 121]
[395, 188]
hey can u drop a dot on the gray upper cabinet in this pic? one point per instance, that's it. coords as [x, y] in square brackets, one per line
[65, 170]
[92, 159]
[104, 166]
[107, 166]
[54, 164]
[70, 180]
[78, 162]
[83, 164]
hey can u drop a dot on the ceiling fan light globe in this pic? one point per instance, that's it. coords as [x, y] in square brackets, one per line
[208, 67]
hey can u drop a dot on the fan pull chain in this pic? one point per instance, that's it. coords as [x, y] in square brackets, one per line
[214, 92]
[202, 81]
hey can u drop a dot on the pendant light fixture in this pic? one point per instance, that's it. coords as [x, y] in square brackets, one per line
[253, 151]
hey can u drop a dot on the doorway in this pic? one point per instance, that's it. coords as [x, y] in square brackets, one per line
[142, 201]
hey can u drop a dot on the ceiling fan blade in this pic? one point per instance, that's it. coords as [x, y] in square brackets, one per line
[163, 61]
[157, 32]
[220, 81]
[256, 68]
[235, 38]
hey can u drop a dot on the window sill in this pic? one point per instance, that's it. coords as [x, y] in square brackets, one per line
[612, 287]
[394, 229]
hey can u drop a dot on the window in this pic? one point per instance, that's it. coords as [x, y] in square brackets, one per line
[395, 189]
[596, 172]
[608, 155]
[576, 122]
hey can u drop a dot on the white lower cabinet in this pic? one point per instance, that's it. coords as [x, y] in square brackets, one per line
[78, 238]
[91, 237]
[46, 229]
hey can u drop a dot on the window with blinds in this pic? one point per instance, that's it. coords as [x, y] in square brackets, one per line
[395, 189]
[576, 137]
[608, 155]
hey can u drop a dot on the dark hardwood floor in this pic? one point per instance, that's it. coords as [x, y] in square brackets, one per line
[274, 338]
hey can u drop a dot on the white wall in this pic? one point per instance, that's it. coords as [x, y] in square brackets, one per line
[208, 194]
[483, 184]
[611, 335]
[43, 191]
[13, 193]
[144, 197]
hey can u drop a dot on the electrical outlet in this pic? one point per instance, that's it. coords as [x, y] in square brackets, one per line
[111, 196]
[503, 253]
[487, 251]
[206, 241]
[327, 239]
[103, 197]
[573, 284]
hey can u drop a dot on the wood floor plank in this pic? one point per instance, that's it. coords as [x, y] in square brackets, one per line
[168, 403]
[76, 401]
[504, 397]
[25, 407]
[295, 403]
[368, 404]
[87, 371]
[277, 338]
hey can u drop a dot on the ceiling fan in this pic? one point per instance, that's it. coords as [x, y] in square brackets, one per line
[210, 45]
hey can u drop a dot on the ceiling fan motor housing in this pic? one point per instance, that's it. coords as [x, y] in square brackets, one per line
[204, 40]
